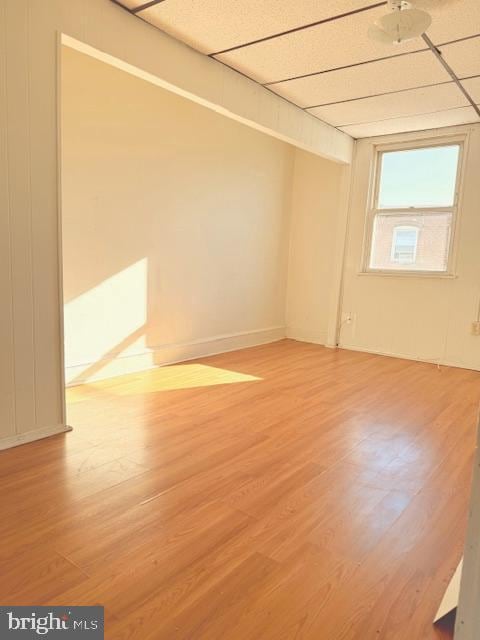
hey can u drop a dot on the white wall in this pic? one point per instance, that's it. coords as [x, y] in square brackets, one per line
[175, 225]
[425, 318]
[467, 620]
[31, 377]
[318, 194]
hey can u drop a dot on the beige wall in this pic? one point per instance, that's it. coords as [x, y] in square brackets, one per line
[425, 318]
[315, 251]
[175, 225]
[31, 378]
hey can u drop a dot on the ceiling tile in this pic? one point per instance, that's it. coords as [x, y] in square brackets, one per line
[453, 21]
[426, 121]
[381, 76]
[472, 85]
[463, 57]
[216, 25]
[330, 45]
[393, 105]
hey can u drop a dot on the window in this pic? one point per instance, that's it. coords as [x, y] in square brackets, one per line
[404, 246]
[412, 219]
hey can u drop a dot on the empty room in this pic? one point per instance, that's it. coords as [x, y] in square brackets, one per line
[240, 321]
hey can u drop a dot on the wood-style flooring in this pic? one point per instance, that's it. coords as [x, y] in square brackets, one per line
[282, 492]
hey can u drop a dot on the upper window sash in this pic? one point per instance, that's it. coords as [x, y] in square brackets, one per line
[380, 152]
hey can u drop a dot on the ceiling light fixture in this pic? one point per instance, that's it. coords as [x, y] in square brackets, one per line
[403, 23]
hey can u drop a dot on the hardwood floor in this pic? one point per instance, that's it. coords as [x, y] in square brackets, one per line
[281, 492]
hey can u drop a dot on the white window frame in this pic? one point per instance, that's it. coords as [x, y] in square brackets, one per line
[404, 227]
[374, 210]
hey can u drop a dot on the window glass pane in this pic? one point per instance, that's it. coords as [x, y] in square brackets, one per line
[407, 242]
[404, 245]
[418, 178]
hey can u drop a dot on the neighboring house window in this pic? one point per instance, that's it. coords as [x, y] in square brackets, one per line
[412, 217]
[404, 245]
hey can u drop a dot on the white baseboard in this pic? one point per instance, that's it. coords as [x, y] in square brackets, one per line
[30, 436]
[408, 356]
[169, 354]
[306, 336]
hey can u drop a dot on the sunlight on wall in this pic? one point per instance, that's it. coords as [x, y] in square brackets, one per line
[105, 320]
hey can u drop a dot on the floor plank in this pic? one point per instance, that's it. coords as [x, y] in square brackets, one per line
[281, 492]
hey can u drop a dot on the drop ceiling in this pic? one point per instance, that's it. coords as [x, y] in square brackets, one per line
[316, 54]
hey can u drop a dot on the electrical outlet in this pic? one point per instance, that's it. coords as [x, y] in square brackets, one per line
[348, 317]
[476, 328]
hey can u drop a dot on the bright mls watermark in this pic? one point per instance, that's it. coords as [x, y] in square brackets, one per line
[51, 622]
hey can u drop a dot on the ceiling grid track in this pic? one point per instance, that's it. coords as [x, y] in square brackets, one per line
[438, 55]
[309, 25]
[374, 95]
[421, 89]
[147, 5]
[347, 66]
[428, 113]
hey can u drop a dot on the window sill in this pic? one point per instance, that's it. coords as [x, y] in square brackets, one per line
[408, 274]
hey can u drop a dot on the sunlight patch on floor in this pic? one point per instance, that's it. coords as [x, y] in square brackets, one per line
[168, 378]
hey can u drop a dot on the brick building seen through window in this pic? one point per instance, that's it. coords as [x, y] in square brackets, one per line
[430, 249]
